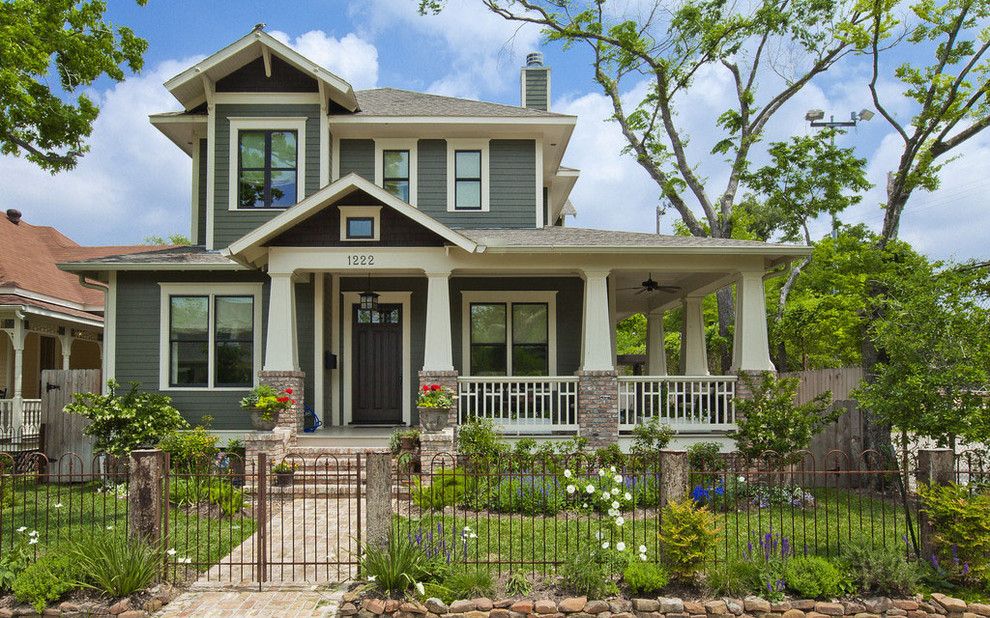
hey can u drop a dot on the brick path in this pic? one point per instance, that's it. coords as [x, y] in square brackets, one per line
[291, 603]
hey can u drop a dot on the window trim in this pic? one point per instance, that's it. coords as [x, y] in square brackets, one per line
[383, 144]
[274, 123]
[360, 212]
[548, 297]
[453, 145]
[210, 291]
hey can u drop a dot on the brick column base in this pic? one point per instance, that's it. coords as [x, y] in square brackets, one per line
[598, 407]
[447, 379]
[432, 444]
[292, 419]
[275, 443]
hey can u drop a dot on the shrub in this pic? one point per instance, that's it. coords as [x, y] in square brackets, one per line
[770, 422]
[395, 567]
[16, 559]
[962, 530]
[705, 457]
[644, 577]
[734, 578]
[535, 495]
[449, 487]
[689, 534]
[45, 581]
[477, 440]
[433, 590]
[191, 451]
[115, 565]
[518, 584]
[650, 438]
[470, 583]
[813, 577]
[879, 569]
[610, 455]
[193, 491]
[123, 423]
[589, 571]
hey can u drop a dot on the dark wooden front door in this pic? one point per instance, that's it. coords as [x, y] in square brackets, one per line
[376, 348]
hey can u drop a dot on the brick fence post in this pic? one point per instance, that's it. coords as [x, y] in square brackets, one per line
[378, 498]
[675, 481]
[293, 418]
[935, 467]
[598, 407]
[144, 495]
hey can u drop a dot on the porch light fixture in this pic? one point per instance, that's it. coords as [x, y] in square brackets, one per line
[368, 300]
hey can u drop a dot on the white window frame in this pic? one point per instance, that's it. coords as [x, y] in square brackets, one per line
[453, 145]
[381, 145]
[210, 290]
[508, 298]
[362, 212]
[275, 123]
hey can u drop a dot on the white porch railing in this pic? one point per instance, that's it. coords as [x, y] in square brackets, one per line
[537, 405]
[686, 403]
[27, 431]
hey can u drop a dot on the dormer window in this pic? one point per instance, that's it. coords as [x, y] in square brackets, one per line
[266, 169]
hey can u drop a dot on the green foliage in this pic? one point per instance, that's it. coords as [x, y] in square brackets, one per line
[395, 440]
[644, 577]
[15, 560]
[705, 456]
[449, 487]
[470, 582]
[610, 455]
[174, 240]
[878, 569]
[433, 590]
[589, 571]
[115, 565]
[51, 51]
[630, 335]
[395, 567]
[962, 530]
[771, 423]
[731, 578]
[688, 535]
[518, 584]
[123, 423]
[813, 577]
[45, 581]
[211, 490]
[191, 451]
[268, 400]
[650, 438]
[477, 441]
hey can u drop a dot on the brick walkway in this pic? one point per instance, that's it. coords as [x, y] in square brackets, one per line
[291, 603]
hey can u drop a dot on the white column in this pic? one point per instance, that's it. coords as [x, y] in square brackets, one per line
[281, 353]
[66, 341]
[437, 352]
[751, 351]
[20, 335]
[656, 356]
[613, 319]
[695, 351]
[596, 348]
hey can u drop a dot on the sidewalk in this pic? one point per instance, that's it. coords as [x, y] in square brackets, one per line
[291, 602]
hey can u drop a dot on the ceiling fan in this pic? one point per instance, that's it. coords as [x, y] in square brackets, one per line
[652, 286]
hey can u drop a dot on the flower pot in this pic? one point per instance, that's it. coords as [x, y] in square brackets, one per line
[284, 479]
[259, 423]
[434, 419]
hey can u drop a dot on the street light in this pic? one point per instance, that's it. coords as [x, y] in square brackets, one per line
[815, 117]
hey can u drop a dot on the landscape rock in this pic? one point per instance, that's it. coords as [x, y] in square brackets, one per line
[153, 605]
[120, 607]
[572, 604]
[780, 606]
[716, 608]
[804, 605]
[375, 606]
[391, 606]
[346, 609]
[500, 612]
[436, 606]
[483, 604]
[951, 605]
[545, 606]
[475, 614]
[596, 607]
[523, 607]
[671, 605]
[905, 604]
[735, 606]
[853, 607]
[504, 603]
[758, 605]
[646, 605]
[133, 613]
[829, 609]
[980, 608]
[792, 613]
[461, 606]
[694, 607]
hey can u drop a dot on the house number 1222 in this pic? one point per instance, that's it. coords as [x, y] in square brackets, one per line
[360, 260]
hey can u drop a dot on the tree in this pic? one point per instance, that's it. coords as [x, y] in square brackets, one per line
[73, 40]
[175, 240]
[770, 50]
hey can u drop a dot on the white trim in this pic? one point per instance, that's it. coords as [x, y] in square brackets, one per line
[196, 206]
[110, 331]
[211, 173]
[95, 322]
[16, 291]
[403, 298]
[540, 222]
[509, 297]
[210, 290]
[85, 267]
[555, 119]
[250, 98]
[383, 144]
[334, 158]
[335, 395]
[318, 344]
[275, 123]
[324, 138]
[453, 145]
[363, 212]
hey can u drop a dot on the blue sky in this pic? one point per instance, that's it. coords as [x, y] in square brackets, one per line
[135, 183]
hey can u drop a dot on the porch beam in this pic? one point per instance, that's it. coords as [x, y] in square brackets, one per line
[438, 349]
[281, 351]
[656, 356]
[751, 342]
[694, 352]
[596, 347]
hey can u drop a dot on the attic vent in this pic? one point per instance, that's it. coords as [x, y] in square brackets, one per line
[14, 215]
[534, 59]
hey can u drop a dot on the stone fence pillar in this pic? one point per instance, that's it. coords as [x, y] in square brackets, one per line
[292, 419]
[379, 498]
[144, 495]
[598, 407]
[675, 482]
[935, 467]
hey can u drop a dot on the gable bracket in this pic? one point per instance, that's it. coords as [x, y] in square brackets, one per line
[266, 55]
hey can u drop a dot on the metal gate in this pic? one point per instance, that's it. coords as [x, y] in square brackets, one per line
[300, 519]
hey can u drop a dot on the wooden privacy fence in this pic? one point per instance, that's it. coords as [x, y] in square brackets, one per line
[63, 431]
[846, 434]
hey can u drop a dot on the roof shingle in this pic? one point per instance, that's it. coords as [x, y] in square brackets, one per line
[395, 102]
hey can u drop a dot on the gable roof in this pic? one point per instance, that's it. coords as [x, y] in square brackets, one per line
[189, 88]
[317, 201]
[396, 102]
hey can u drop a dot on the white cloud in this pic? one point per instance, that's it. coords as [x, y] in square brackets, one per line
[350, 56]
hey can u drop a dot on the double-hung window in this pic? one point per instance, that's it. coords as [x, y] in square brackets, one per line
[209, 336]
[467, 180]
[267, 167]
[395, 173]
[509, 338]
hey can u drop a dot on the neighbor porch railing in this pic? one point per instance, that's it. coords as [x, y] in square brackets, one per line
[521, 405]
[686, 403]
[31, 413]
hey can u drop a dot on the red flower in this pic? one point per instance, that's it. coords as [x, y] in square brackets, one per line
[282, 399]
[288, 391]
[426, 388]
[435, 387]
[293, 402]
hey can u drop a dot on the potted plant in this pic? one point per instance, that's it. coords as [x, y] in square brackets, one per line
[285, 472]
[434, 403]
[265, 403]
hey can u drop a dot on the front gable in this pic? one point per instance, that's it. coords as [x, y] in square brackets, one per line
[279, 77]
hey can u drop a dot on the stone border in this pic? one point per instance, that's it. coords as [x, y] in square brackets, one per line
[663, 607]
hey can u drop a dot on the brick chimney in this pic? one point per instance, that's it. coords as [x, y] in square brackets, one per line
[534, 83]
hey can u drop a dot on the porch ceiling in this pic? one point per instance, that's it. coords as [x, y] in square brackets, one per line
[630, 297]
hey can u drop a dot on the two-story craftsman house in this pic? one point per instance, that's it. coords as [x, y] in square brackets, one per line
[356, 244]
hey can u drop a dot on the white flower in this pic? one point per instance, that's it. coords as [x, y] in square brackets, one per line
[33, 540]
[420, 588]
[620, 546]
[185, 560]
[627, 496]
[109, 527]
[598, 535]
[584, 505]
[57, 505]
[642, 549]
[742, 479]
[33, 534]
[602, 472]
[571, 489]
[615, 491]
[590, 489]
[171, 552]
[567, 473]
[22, 529]
[642, 557]
[472, 536]
[615, 504]
[618, 478]
[613, 512]
[467, 528]
[612, 468]
[372, 578]
[605, 545]
[620, 520]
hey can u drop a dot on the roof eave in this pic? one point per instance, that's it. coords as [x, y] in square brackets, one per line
[82, 267]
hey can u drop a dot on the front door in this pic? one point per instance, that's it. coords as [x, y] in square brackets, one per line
[376, 389]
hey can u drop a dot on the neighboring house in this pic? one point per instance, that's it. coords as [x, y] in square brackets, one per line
[309, 197]
[49, 319]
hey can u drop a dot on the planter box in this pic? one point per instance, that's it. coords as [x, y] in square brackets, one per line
[434, 419]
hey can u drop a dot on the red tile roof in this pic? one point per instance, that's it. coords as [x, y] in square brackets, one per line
[29, 255]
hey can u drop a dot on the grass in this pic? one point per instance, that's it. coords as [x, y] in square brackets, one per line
[535, 541]
[62, 513]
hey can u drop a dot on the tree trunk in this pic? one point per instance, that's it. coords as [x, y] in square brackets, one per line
[876, 432]
[726, 316]
[785, 291]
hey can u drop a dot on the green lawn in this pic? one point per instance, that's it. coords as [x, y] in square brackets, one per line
[63, 512]
[532, 541]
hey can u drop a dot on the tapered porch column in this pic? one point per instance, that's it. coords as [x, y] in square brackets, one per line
[598, 387]
[694, 351]
[437, 354]
[596, 348]
[751, 343]
[66, 340]
[19, 337]
[656, 356]
[281, 368]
